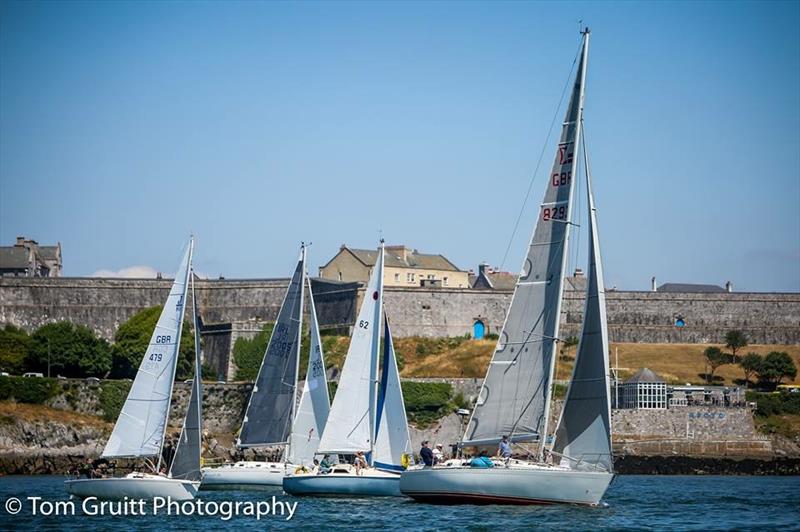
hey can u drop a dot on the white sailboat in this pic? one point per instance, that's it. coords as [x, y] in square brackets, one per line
[516, 393]
[367, 416]
[272, 417]
[141, 427]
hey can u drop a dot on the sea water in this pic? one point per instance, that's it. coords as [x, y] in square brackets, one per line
[632, 503]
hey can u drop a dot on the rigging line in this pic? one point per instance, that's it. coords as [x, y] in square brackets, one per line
[539, 162]
[577, 212]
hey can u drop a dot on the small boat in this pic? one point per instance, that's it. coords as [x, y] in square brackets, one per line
[516, 394]
[141, 427]
[367, 416]
[271, 418]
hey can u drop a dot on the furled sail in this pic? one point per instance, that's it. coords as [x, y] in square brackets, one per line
[351, 420]
[515, 394]
[392, 440]
[139, 430]
[312, 413]
[186, 462]
[267, 420]
[583, 435]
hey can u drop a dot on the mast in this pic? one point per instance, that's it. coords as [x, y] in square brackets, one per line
[297, 351]
[177, 353]
[198, 367]
[373, 362]
[579, 123]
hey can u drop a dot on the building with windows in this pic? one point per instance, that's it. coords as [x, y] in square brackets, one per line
[645, 390]
[26, 258]
[404, 266]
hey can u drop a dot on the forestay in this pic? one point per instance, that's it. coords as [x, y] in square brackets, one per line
[392, 440]
[584, 431]
[312, 413]
[515, 393]
[351, 419]
[267, 420]
[186, 462]
[139, 430]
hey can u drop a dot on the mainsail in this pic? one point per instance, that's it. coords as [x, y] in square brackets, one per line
[312, 413]
[584, 430]
[392, 440]
[268, 417]
[186, 462]
[140, 427]
[514, 398]
[351, 421]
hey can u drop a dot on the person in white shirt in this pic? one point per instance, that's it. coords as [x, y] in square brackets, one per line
[438, 455]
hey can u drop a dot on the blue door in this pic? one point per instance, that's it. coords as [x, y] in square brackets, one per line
[478, 330]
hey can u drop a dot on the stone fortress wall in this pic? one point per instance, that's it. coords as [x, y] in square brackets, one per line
[237, 308]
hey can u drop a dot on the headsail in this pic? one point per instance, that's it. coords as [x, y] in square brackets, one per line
[392, 440]
[515, 394]
[140, 427]
[584, 430]
[352, 420]
[268, 418]
[186, 462]
[312, 413]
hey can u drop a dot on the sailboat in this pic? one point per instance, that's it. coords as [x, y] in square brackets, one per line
[273, 417]
[367, 416]
[141, 427]
[516, 394]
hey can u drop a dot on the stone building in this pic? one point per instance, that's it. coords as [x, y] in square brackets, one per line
[403, 266]
[26, 258]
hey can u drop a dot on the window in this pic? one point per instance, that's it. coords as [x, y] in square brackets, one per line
[397, 277]
[409, 277]
[444, 281]
[340, 276]
[431, 276]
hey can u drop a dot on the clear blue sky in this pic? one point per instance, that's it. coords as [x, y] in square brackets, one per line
[124, 126]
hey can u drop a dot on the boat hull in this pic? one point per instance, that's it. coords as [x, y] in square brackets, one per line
[138, 487]
[250, 476]
[500, 485]
[333, 485]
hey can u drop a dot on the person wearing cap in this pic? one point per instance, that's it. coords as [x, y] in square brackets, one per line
[426, 454]
[504, 450]
[438, 455]
[360, 462]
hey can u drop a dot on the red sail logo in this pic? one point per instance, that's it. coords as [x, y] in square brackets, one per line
[564, 156]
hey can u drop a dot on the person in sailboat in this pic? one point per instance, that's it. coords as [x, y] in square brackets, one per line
[504, 449]
[438, 455]
[426, 454]
[325, 464]
[360, 462]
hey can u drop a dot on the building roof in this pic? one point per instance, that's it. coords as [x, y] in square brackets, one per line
[412, 259]
[644, 375]
[14, 258]
[495, 280]
[48, 252]
[690, 288]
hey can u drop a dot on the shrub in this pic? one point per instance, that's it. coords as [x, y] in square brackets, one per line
[73, 351]
[112, 397]
[15, 346]
[249, 352]
[34, 390]
[427, 402]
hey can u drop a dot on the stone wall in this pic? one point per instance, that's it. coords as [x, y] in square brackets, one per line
[231, 308]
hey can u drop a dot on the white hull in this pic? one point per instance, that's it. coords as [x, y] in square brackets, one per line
[245, 476]
[345, 482]
[133, 486]
[501, 485]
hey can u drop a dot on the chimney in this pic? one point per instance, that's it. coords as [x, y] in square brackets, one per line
[483, 268]
[578, 272]
[20, 241]
[728, 286]
[653, 284]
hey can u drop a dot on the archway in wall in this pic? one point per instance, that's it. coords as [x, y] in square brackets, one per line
[478, 330]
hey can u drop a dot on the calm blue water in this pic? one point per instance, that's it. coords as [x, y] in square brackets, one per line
[633, 503]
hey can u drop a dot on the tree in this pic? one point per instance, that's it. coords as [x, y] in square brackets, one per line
[750, 364]
[69, 350]
[133, 337]
[735, 340]
[15, 346]
[776, 366]
[714, 359]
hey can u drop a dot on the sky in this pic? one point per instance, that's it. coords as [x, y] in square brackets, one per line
[126, 126]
